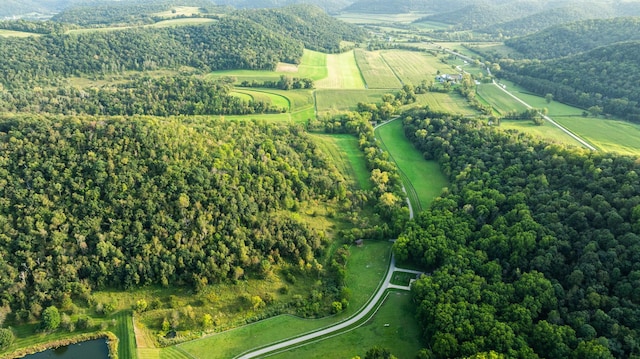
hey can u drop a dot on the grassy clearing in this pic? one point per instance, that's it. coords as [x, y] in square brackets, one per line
[313, 65]
[183, 22]
[268, 97]
[343, 73]
[393, 327]
[346, 100]
[11, 33]
[547, 132]
[423, 179]
[448, 102]
[345, 154]
[377, 74]
[179, 11]
[365, 269]
[413, 67]
[366, 18]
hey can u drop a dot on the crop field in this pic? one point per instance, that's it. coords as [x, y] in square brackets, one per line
[393, 327]
[313, 65]
[449, 102]
[423, 179]
[377, 74]
[366, 267]
[413, 67]
[345, 154]
[343, 73]
[346, 100]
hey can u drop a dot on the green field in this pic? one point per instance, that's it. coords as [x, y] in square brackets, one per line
[313, 65]
[183, 22]
[414, 67]
[11, 33]
[346, 100]
[423, 179]
[377, 74]
[393, 327]
[501, 102]
[343, 73]
[366, 267]
[268, 97]
[345, 154]
[448, 102]
[366, 18]
[179, 11]
[606, 135]
[124, 332]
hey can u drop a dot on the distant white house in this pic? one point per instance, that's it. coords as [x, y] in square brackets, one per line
[449, 78]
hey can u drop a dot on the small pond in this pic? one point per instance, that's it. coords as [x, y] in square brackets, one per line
[94, 349]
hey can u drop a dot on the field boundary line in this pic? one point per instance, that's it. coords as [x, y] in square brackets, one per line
[391, 68]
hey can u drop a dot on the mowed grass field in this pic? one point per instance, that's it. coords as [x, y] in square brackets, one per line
[413, 67]
[501, 102]
[11, 33]
[343, 73]
[448, 102]
[366, 268]
[345, 154]
[606, 135]
[393, 327]
[376, 72]
[423, 179]
[346, 100]
[124, 332]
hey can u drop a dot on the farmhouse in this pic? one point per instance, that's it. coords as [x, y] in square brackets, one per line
[448, 78]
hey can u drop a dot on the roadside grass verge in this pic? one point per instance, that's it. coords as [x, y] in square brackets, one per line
[346, 100]
[366, 267]
[423, 179]
[393, 327]
[343, 73]
[375, 71]
[345, 154]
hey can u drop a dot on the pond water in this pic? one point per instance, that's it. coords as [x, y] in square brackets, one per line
[94, 349]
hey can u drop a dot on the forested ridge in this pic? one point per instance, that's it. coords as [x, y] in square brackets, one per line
[606, 78]
[533, 249]
[231, 43]
[309, 24]
[576, 37]
[90, 203]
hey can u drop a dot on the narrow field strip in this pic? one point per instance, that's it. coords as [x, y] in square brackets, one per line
[343, 73]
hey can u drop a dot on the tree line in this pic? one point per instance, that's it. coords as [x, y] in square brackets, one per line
[533, 249]
[165, 96]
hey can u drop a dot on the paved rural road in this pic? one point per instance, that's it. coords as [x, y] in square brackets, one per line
[386, 284]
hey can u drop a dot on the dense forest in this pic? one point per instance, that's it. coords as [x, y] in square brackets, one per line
[309, 24]
[91, 203]
[533, 249]
[605, 80]
[576, 37]
[228, 44]
[158, 96]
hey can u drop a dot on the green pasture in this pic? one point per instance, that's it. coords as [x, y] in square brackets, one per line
[266, 96]
[346, 100]
[423, 179]
[547, 132]
[366, 267]
[11, 33]
[449, 102]
[376, 72]
[412, 67]
[162, 353]
[343, 73]
[392, 327]
[501, 102]
[606, 135]
[313, 65]
[345, 154]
